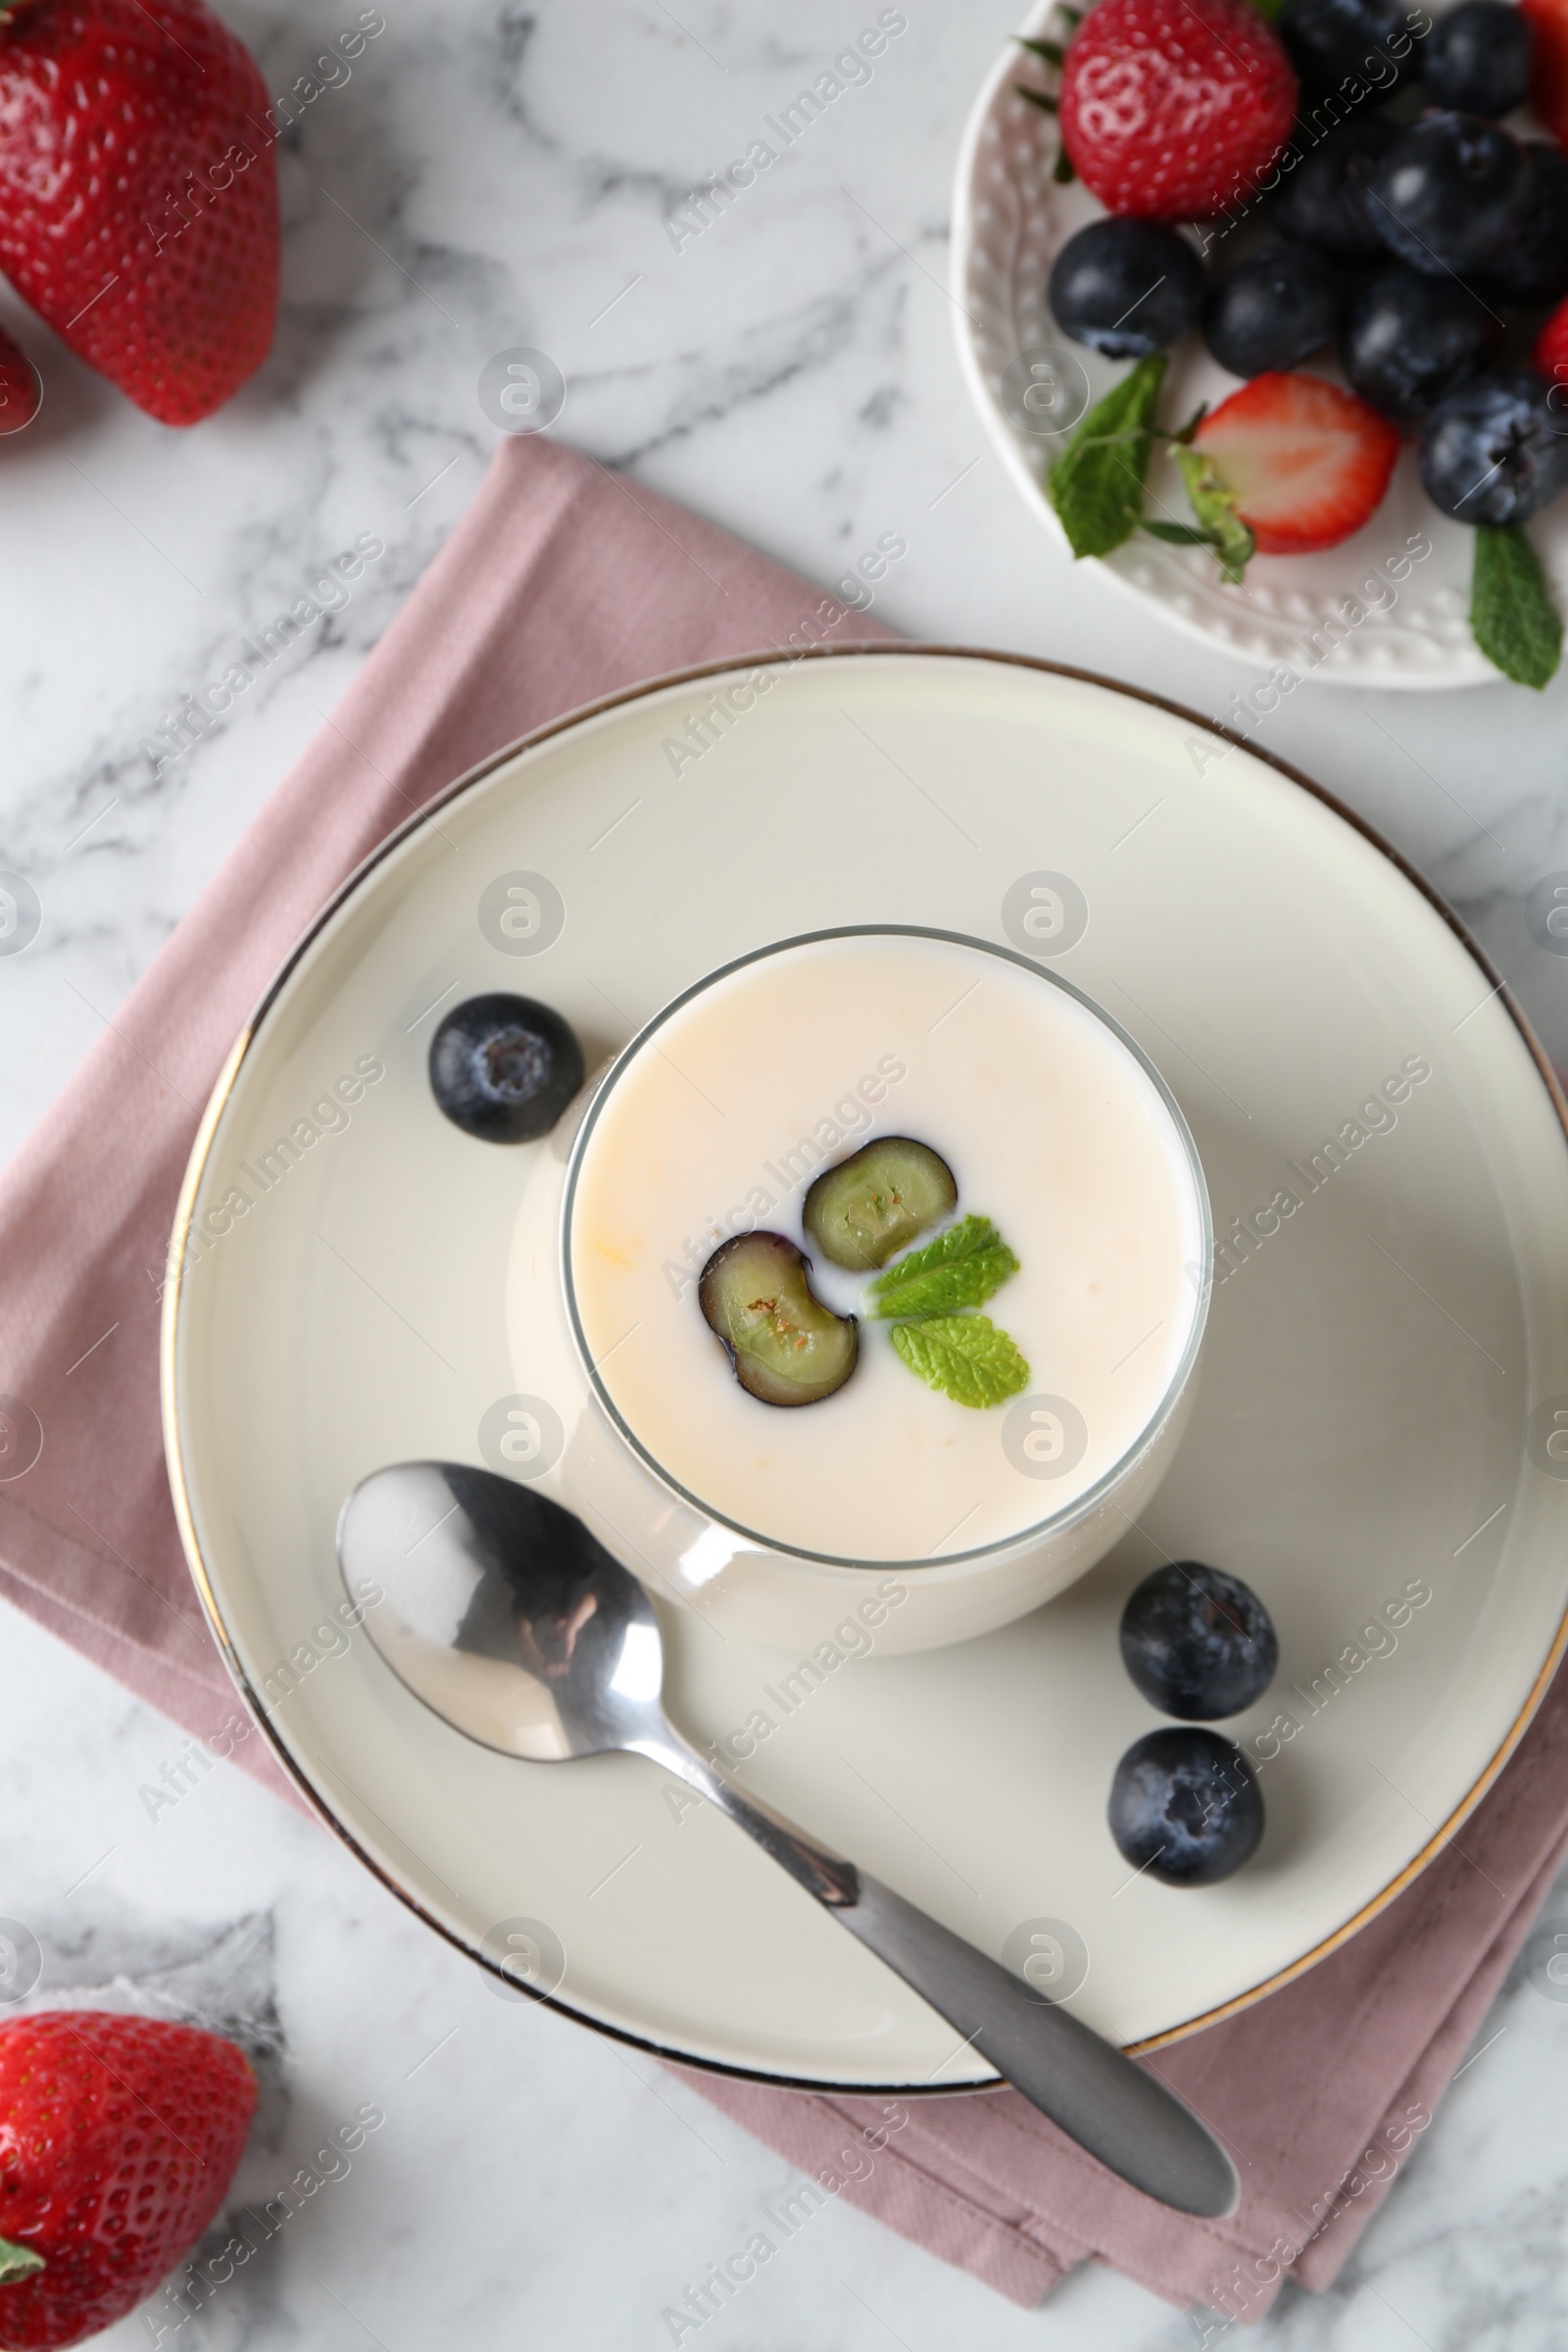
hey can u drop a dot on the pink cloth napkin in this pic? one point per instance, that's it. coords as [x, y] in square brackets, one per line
[562, 583]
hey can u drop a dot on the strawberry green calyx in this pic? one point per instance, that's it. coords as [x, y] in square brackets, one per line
[16, 2262]
[1215, 505]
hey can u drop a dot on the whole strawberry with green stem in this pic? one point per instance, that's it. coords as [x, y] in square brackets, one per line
[118, 2138]
[138, 194]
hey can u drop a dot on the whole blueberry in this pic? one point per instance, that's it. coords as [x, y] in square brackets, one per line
[1534, 266]
[1126, 287]
[1411, 340]
[1185, 1806]
[1496, 450]
[1197, 1643]
[1477, 57]
[504, 1068]
[1327, 200]
[1452, 194]
[1273, 310]
[1334, 42]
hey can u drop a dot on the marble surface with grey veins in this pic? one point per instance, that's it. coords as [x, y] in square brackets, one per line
[490, 176]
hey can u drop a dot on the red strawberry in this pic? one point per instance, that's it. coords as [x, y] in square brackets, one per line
[138, 193]
[18, 386]
[1550, 354]
[1305, 463]
[1548, 64]
[1174, 109]
[119, 2136]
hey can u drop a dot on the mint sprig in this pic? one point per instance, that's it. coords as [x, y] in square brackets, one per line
[1512, 617]
[924, 1296]
[966, 1357]
[1096, 484]
[960, 1268]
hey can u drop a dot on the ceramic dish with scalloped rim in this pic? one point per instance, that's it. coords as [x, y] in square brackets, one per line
[1359, 1427]
[1337, 617]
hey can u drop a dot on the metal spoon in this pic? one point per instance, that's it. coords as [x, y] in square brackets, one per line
[509, 1618]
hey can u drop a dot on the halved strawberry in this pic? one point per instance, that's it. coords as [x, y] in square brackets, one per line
[1305, 463]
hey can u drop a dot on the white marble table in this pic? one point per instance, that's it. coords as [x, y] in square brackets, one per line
[490, 177]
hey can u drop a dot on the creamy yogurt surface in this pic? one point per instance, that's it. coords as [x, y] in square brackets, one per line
[717, 1123]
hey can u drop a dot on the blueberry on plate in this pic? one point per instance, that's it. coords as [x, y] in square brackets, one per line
[1185, 1807]
[504, 1068]
[1477, 57]
[1327, 201]
[1126, 287]
[1197, 1643]
[1451, 193]
[1273, 310]
[1409, 340]
[1534, 266]
[1496, 450]
[1334, 42]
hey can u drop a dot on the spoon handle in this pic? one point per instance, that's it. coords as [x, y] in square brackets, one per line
[1118, 2111]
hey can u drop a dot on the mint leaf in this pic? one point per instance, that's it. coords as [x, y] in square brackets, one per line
[1047, 106]
[1096, 484]
[966, 1357]
[960, 1268]
[1215, 505]
[1051, 51]
[1512, 617]
[18, 2262]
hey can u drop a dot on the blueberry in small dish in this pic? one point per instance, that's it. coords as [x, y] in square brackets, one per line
[1410, 340]
[1534, 266]
[1185, 1807]
[1273, 310]
[1477, 58]
[1327, 200]
[1495, 452]
[1339, 45]
[1199, 1643]
[1452, 194]
[1126, 287]
[505, 1067]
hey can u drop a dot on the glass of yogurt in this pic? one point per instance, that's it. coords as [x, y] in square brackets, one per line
[715, 1122]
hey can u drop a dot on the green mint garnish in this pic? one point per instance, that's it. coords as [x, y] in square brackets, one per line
[966, 1357]
[1096, 484]
[960, 1268]
[1512, 617]
[18, 2262]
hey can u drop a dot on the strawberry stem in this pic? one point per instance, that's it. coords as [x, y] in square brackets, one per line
[16, 2262]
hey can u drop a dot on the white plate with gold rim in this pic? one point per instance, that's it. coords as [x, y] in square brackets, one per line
[1360, 1451]
[1388, 608]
